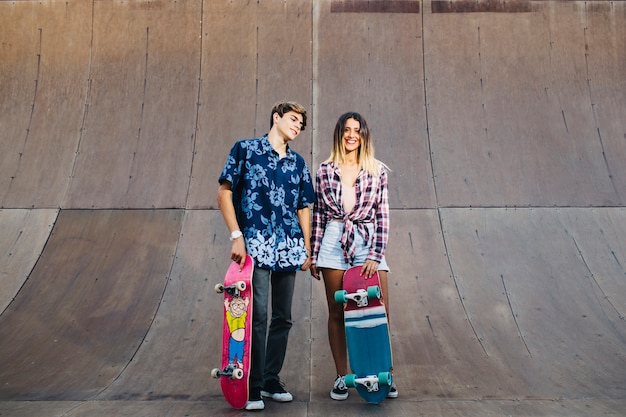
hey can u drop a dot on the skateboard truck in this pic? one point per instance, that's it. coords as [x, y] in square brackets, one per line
[231, 371]
[360, 297]
[234, 290]
[371, 382]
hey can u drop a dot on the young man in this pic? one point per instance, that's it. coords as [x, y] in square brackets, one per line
[264, 196]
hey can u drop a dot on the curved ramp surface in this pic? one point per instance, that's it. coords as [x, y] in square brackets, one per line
[503, 124]
[87, 304]
[24, 234]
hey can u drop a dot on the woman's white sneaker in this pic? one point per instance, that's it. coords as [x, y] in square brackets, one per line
[340, 390]
[393, 391]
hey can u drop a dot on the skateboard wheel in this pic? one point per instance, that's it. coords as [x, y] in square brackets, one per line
[215, 373]
[238, 374]
[219, 288]
[340, 296]
[373, 291]
[241, 285]
[351, 380]
[384, 378]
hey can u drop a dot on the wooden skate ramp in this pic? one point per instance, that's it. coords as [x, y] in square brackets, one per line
[503, 124]
[87, 304]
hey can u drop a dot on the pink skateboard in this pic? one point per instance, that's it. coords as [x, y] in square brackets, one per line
[236, 333]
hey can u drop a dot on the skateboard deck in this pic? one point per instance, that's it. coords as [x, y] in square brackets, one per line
[236, 333]
[367, 335]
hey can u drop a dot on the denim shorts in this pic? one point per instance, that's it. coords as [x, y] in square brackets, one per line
[331, 254]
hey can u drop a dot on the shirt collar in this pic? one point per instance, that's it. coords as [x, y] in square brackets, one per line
[267, 147]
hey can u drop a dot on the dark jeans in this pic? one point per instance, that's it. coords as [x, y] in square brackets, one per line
[269, 346]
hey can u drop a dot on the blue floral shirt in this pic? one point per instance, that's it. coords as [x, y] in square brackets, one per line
[267, 192]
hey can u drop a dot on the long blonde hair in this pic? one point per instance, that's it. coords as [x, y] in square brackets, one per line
[365, 155]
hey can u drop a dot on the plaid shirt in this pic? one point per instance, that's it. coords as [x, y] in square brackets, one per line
[370, 215]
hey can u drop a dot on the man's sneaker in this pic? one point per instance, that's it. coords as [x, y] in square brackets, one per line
[276, 391]
[340, 390]
[255, 401]
[393, 391]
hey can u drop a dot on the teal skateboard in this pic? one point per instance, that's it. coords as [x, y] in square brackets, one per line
[367, 336]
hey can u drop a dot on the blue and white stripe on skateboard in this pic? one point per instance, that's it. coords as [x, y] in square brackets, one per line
[362, 319]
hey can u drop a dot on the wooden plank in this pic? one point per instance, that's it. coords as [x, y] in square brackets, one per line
[599, 237]
[493, 311]
[185, 338]
[227, 100]
[86, 307]
[44, 64]
[285, 70]
[509, 110]
[443, 408]
[374, 6]
[137, 146]
[436, 351]
[483, 6]
[530, 294]
[244, 71]
[24, 235]
[375, 68]
[605, 56]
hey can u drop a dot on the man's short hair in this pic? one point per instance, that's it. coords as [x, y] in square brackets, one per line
[283, 107]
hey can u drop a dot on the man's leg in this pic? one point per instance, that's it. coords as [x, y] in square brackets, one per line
[260, 285]
[283, 284]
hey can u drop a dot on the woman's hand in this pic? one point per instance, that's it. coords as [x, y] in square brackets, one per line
[369, 268]
[314, 272]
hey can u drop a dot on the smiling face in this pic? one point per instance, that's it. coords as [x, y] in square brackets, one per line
[351, 138]
[289, 125]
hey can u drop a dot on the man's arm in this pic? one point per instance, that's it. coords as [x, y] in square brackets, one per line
[304, 218]
[225, 203]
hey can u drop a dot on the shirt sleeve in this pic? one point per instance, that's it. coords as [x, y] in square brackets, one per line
[307, 193]
[377, 251]
[319, 222]
[233, 166]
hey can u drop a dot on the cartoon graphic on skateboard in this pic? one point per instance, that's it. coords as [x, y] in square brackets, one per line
[367, 335]
[236, 333]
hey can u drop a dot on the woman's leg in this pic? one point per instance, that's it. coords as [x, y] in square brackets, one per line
[384, 287]
[336, 331]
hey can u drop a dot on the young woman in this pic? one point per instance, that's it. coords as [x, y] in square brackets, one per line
[350, 226]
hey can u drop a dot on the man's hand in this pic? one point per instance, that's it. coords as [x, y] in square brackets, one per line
[238, 252]
[306, 264]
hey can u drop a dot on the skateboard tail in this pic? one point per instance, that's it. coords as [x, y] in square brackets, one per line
[369, 350]
[370, 347]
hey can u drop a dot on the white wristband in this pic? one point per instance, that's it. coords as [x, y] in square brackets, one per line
[235, 235]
